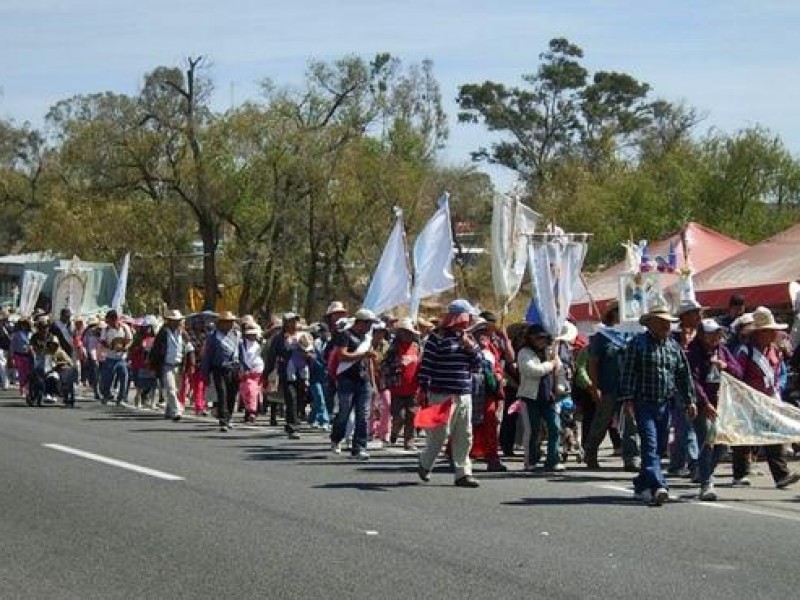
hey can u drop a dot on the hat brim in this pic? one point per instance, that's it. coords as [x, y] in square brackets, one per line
[770, 327]
[644, 319]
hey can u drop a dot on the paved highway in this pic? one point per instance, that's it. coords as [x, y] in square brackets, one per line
[100, 502]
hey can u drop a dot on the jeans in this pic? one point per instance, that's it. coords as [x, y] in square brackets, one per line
[710, 454]
[684, 450]
[291, 394]
[352, 395]
[653, 423]
[114, 367]
[538, 410]
[319, 408]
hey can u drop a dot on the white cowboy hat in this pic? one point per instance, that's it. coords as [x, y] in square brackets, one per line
[406, 324]
[305, 341]
[335, 307]
[364, 314]
[171, 315]
[569, 333]
[226, 315]
[658, 312]
[252, 329]
[764, 319]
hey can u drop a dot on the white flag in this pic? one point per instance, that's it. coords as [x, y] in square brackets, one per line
[391, 281]
[118, 300]
[746, 417]
[511, 221]
[32, 283]
[433, 257]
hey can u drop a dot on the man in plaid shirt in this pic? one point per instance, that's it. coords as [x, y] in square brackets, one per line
[655, 374]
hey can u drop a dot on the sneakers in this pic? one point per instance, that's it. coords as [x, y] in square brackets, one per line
[223, 428]
[660, 497]
[336, 447]
[788, 480]
[467, 481]
[643, 496]
[556, 468]
[683, 472]
[741, 482]
[293, 435]
[707, 493]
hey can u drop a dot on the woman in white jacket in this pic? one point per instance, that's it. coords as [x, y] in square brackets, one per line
[536, 392]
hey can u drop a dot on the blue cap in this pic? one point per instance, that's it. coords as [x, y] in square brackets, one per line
[461, 306]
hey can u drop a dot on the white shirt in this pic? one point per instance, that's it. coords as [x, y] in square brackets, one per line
[112, 333]
[252, 351]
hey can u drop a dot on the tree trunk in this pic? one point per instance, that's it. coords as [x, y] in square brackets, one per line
[208, 235]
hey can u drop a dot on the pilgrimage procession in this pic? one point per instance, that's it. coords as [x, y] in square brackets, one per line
[399, 300]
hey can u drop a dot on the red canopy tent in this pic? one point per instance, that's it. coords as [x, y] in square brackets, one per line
[707, 248]
[761, 274]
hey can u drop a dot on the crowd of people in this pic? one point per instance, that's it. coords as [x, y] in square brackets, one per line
[462, 382]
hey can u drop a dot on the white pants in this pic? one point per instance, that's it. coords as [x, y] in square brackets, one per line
[169, 381]
[459, 428]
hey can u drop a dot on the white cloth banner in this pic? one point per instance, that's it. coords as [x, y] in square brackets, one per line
[32, 284]
[391, 281]
[433, 257]
[511, 221]
[746, 417]
[118, 301]
[555, 266]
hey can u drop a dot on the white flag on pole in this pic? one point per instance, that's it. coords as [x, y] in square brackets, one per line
[32, 283]
[433, 257]
[512, 221]
[118, 300]
[391, 282]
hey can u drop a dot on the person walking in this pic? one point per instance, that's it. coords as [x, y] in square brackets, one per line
[449, 358]
[655, 373]
[537, 371]
[171, 351]
[221, 364]
[761, 367]
[252, 371]
[115, 340]
[708, 358]
[354, 377]
[21, 353]
[400, 368]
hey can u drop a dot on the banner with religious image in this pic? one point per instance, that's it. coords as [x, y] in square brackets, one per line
[746, 417]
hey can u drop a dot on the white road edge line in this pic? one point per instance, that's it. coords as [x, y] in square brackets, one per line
[114, 462]
[718, 505]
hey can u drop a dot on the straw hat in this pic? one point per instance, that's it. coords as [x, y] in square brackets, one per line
[173, 315]
[764, 319]
[689, 306]
[406, 324]
[364, 314]
[226, 315]
[335, 307]
[658, 312]
[252, 329]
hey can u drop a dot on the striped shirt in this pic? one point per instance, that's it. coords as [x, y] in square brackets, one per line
[446, 366]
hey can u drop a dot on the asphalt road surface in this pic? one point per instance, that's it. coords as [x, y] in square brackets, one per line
[104, 502]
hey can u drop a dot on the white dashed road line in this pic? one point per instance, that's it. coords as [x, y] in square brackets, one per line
[114, 462]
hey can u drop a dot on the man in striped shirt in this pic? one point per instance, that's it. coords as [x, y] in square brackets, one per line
[449, 357]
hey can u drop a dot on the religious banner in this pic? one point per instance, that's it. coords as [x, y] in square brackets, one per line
[433, 257]
[746, 417]
[69, 287]
[32, 283]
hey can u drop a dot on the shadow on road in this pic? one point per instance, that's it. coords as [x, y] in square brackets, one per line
[367, 487]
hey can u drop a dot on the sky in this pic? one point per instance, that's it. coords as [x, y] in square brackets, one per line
[734, 60]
